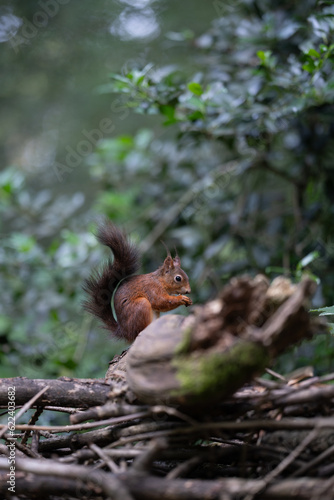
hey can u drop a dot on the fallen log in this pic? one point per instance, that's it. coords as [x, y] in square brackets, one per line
[206, 357]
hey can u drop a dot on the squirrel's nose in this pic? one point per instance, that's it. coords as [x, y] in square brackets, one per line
[187, 290]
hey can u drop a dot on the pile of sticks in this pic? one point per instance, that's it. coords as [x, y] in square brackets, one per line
[273, 439]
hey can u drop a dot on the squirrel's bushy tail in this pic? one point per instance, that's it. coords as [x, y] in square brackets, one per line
[101, 284]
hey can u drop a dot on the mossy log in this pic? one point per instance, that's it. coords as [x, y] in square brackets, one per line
[207, 356]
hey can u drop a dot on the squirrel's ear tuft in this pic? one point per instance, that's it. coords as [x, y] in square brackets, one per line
[177, 261]
[168, 263]
[166, 247]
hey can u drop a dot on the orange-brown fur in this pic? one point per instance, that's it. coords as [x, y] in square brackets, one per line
[138, 299]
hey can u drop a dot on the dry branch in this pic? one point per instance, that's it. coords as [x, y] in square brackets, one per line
[149, 487]
[61, 392]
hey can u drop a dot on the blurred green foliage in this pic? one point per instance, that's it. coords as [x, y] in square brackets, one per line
[241, 179]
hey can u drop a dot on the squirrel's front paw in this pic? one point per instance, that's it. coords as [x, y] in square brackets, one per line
[186, 301]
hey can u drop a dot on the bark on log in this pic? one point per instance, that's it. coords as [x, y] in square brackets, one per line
[66, 392]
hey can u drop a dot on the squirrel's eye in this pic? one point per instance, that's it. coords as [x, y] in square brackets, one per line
[178, 278]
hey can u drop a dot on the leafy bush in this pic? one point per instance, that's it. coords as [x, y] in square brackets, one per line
[43, 260]
[245, 181]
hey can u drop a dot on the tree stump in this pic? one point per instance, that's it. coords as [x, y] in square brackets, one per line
[207, 356]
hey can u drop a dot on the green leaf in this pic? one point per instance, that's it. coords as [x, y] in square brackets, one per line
[324, 311]
[264, 55]
[168, 111]
[310, 257]
[314, 53]
[7, 188]
[120, 78]
[197, 104]
[309, 66]
[140, 79]
[196, 115]
[195, 88]
[54, 314]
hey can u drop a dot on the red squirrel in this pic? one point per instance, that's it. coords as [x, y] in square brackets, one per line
[125, 303]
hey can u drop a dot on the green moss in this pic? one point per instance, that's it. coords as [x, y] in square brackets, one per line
[215, 374]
